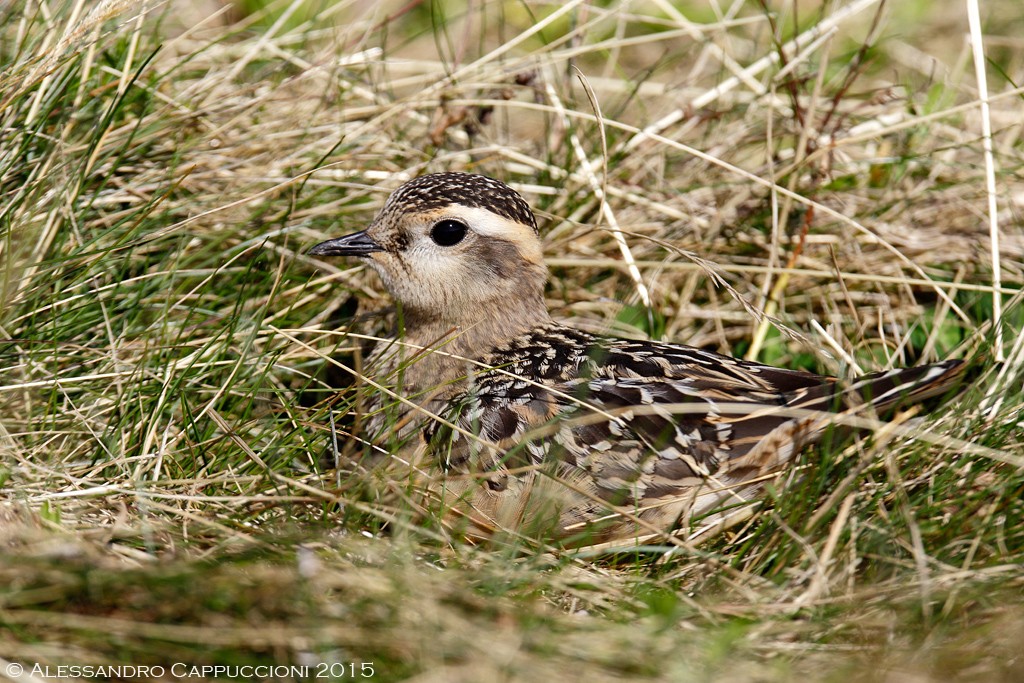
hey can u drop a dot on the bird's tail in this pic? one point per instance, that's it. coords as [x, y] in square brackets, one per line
[883, 391]
[891, 389]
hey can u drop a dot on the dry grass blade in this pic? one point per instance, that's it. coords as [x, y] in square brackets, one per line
[977, 46]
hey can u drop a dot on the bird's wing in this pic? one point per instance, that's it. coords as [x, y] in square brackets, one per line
[570, 453]
[677, 432]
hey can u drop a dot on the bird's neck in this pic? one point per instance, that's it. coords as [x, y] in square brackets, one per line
[440, 351]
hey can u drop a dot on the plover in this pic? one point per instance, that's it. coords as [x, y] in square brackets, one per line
[528, 425]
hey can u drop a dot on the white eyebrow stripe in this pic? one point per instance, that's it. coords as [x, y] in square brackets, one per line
[489, 224]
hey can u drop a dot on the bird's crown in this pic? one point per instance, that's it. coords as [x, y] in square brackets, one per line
[440, 190]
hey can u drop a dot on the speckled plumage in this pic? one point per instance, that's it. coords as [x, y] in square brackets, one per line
[438, 190]
[551, 430]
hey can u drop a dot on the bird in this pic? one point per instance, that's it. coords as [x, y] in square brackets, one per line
[520, 424]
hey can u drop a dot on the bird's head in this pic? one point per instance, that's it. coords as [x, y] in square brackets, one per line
[452, 247]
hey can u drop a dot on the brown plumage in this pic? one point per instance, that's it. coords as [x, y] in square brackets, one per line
[550, 430]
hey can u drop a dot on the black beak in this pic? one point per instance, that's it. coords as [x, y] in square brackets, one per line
[356, 244]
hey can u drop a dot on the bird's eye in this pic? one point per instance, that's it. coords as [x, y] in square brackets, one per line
[448, 233]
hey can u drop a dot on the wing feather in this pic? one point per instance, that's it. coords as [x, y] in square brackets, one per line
[601, 427]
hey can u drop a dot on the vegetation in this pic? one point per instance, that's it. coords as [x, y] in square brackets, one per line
[171, 362]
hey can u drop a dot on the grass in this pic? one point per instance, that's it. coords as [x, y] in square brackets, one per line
[165, 395]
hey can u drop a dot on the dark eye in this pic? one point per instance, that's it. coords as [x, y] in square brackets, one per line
[448, 233]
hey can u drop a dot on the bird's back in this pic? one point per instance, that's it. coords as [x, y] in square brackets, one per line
[567, 433]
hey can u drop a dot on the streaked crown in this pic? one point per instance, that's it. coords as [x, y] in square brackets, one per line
[439, 190]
